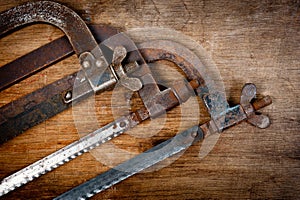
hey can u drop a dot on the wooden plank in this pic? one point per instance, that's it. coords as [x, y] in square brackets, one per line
[255, 41]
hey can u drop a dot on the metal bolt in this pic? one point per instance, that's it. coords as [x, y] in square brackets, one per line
[86, 64]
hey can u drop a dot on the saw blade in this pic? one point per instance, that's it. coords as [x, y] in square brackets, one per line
[66, 154]
[134, 165]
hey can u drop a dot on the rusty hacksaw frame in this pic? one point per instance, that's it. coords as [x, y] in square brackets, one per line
[102, 66]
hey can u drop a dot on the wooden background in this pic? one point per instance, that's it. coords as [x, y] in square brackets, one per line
[250, 41]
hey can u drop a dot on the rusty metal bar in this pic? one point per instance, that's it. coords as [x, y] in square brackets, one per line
[33, 62]
[46, 102]
[53, 13]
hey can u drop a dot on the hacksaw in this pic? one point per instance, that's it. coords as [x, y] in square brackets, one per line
[116, 60]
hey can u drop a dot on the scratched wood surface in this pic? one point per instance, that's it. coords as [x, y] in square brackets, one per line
[249, 41]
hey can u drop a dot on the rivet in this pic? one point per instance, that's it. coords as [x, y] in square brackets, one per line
[122, 124]
[68, 95]
[194, 134]
[86, 64]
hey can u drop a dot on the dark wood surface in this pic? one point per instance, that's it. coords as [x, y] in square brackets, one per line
[249, 41]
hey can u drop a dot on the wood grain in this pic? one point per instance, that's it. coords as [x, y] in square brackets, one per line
[249, 41]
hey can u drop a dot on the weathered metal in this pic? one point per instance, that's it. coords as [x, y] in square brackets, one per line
[87, 143]
[248, 93]
[71, 24]
[134, 165]
[134, 84]
[55, 14]
[116, 59]
[50, 100]
[44, 56]
[172, 146]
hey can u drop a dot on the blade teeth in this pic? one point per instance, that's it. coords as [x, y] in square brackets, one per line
[96, 191]
[105, 187]
[91, 147]
[73, 156]
[36, 175]
[23, 182]
[89, 195]
[43, 169]
[6, 191]
[48, 169]
[55, 166]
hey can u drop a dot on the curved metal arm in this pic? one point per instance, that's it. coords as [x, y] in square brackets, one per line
[53, 13]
